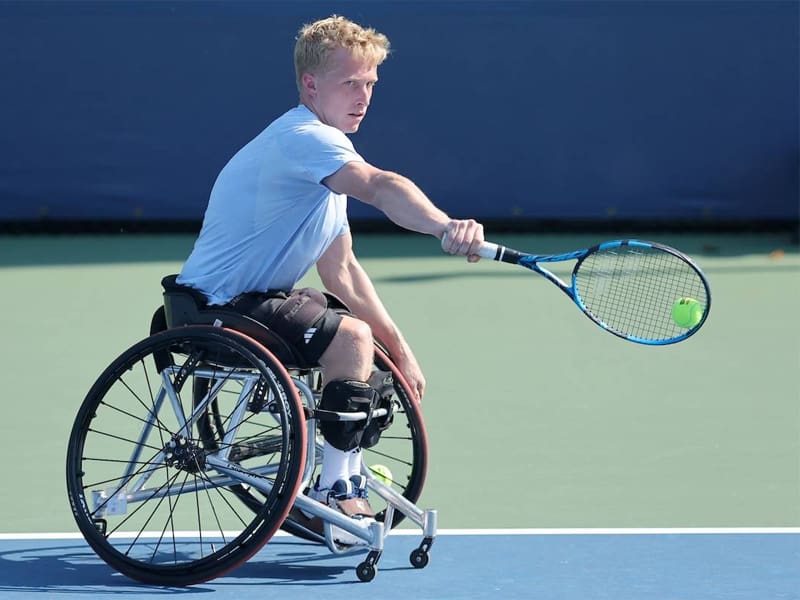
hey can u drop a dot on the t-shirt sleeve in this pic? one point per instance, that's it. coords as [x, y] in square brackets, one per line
[323, 150]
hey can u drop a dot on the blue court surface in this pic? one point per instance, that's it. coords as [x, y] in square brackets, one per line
[557, 564]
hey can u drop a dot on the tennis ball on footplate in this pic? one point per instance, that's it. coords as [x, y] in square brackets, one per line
[687, 312]
[382, 473]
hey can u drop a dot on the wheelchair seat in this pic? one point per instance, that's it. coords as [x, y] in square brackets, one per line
[184, 305]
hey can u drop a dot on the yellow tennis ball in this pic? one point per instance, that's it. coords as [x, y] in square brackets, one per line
[382, 473]
[687, 312]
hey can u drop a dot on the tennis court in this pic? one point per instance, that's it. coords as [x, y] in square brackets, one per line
[537, 421]
[642, 565]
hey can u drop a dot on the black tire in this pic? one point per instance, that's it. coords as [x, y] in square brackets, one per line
[366, 572]
[403, 448]
[181, 523]
[419, 559]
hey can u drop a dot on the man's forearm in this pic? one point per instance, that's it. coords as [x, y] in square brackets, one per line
[406, 205]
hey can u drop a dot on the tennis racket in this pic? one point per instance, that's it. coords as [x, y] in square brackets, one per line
[627, 287]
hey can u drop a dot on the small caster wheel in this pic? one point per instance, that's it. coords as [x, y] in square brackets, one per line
[419, 558]
[365, 572]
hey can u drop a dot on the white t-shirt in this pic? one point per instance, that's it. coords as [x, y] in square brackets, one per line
[269, 218]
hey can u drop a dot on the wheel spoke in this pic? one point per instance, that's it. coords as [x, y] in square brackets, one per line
[170, 517]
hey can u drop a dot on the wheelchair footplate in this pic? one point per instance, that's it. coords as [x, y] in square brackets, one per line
[369, 533]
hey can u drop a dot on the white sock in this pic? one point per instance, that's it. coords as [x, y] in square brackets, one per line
[355, 462]
[335, 465]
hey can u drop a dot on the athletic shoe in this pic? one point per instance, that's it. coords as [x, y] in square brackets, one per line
[360, 486]
[348, 497]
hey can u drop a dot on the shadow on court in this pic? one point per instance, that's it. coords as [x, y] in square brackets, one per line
[72, 567]
[569, 567]
[45, 568]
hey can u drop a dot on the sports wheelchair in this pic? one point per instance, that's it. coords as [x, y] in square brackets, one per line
[195, 446]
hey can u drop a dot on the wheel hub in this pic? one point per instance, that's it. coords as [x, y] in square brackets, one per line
[180, 453]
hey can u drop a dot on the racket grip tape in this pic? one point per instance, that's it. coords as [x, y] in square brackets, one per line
[495, 252]
[499, 253]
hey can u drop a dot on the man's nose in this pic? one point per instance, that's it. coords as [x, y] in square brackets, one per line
[363, 95]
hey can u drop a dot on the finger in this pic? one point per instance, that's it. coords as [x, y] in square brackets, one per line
[476, 240]
[446, 241]
[461, 236]
[417, 386]
[472, 238]
[451, 240]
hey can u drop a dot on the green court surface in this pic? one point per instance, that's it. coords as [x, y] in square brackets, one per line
[536, 417]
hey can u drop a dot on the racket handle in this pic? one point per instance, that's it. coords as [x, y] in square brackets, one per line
[495, 252]
[489, 250]
[500, 253]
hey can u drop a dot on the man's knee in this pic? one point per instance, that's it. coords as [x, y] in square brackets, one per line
[354, 332]
[350, 353]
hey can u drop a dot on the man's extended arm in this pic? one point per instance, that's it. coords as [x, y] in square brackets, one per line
[405, 204]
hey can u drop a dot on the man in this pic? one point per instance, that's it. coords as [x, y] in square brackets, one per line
[279, 207]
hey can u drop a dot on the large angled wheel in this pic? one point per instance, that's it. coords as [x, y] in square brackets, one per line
[166, 440]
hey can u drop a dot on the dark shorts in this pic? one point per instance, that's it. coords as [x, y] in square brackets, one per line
[301, 317]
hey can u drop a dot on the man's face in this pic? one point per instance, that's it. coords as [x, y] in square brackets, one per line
[340, 95]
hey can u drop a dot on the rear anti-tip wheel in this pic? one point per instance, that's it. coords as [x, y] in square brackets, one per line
[419, 558]
[365, 572]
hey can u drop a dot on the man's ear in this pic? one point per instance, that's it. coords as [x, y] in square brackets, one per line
[309, 83]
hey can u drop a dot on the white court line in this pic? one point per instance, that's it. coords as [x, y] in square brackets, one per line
[537, 531]
[619, 531]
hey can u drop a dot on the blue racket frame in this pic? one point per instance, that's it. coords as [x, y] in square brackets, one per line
[531, 261]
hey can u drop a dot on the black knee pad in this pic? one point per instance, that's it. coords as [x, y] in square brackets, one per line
[345, 397]
[383, 384]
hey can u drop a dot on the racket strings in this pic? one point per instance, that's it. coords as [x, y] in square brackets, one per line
[631, 290]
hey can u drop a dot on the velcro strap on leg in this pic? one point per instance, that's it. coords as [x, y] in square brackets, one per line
[338, 399]
[383, 384]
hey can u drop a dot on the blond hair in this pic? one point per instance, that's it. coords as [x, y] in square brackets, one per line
[318, 40]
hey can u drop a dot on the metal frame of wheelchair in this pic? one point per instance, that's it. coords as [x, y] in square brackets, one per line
[195, 445]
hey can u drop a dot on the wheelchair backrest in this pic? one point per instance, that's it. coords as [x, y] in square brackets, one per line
[186, 306]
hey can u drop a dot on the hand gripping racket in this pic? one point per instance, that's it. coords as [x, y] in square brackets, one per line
[627, 287]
